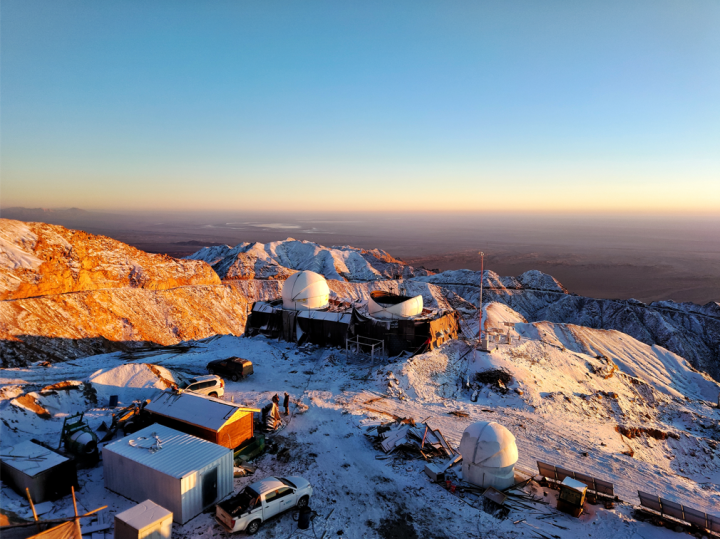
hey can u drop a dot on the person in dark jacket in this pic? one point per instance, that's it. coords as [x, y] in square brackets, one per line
[286, 403]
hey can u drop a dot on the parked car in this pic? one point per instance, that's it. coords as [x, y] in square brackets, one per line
[213, 386]
[233, 367]
[260, 501]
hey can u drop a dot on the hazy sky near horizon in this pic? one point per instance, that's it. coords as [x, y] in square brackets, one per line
[479, 105]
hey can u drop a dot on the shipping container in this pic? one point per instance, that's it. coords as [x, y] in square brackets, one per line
[47, 474]
[146, 520]
[223, 423]
[182, 473]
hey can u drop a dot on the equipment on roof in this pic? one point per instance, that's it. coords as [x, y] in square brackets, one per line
[305, 291]
[489, 455]
[385, 305]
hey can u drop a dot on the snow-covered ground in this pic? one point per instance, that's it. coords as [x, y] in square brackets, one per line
[571, 388]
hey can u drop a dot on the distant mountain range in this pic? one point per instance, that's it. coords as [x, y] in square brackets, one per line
[65, 294]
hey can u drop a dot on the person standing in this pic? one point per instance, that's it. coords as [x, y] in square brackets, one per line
[272, 419]
[286, 403]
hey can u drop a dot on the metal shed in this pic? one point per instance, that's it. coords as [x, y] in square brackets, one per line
[214, 420]
[182, 473]
[46, 473]
[146, 520]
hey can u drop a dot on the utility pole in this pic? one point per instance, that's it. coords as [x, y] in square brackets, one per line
[482, 275]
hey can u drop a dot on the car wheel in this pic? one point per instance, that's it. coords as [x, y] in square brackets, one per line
[234, 377]
[253, 527]
[302, 502]
[213, 394]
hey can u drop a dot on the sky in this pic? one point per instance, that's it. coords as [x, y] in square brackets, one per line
[527, 106]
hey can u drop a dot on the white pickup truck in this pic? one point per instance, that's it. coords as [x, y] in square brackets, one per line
[260, 501]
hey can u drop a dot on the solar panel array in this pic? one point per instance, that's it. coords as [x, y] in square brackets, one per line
[558, 474]
[680, 512]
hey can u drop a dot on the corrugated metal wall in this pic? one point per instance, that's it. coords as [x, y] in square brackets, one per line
[139, 482]
[192, 486]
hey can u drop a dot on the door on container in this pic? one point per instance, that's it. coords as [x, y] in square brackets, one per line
[209, 487]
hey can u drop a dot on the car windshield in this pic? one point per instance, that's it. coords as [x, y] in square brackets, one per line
[286, 482]
[183, 384]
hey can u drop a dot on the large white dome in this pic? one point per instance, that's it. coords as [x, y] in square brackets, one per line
[385, 305]
[305, 291]
[489, 455]
[488, 444]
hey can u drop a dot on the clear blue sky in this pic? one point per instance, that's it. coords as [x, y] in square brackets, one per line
[503, 105]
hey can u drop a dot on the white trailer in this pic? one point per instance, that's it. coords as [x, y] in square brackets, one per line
[180, 472]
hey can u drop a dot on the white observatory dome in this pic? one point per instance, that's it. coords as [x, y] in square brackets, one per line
[489, 455]
[385, 305]
[305, 291]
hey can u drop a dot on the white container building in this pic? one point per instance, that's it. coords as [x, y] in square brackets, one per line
[146, 520]
[182, 473]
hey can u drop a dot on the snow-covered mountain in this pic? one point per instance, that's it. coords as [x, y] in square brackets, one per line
[66, 294]
[279, 259]
[609, 388]
[75, 293]
[689, 330]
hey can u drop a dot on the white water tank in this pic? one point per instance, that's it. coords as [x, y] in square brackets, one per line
[305, 291]
[489, 455]
[386, 305]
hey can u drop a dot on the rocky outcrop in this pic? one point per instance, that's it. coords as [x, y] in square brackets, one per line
[280, 259]
[61, 327]
[66, 294]
[37, 259]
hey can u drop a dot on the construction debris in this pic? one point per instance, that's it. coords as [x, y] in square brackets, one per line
[495, 495]
[436, 472]
[414, 440]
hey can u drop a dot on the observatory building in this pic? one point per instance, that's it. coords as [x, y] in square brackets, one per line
[305, 291]
[389, 322]
[489, 455]
[386, 305]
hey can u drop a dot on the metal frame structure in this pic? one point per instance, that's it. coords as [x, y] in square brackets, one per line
[359, 341]
[678, 511]
[557, 474]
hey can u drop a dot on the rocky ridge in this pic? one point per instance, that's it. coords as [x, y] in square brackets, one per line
[280, 259]
[37, 259]
[689, 330]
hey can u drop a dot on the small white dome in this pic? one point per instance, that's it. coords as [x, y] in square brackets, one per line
[385, 305]
[488, 444]
[305, 291]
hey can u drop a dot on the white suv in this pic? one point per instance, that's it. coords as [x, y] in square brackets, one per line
[211, 385]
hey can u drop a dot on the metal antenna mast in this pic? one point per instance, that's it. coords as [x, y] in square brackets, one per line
[482, 275]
